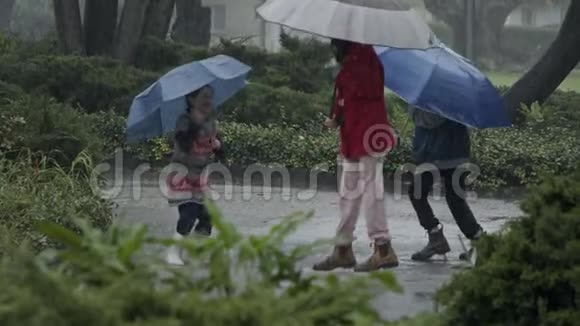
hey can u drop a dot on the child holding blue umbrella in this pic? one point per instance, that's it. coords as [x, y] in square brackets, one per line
[196, 141]
[183, 101]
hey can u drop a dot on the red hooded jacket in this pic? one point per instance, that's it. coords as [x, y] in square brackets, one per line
[359, 105]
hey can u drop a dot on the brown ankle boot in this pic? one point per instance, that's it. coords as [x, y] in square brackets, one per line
[341, 257]
[383, 257]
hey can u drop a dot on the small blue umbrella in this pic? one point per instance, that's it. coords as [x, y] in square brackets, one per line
[441, 81]
[155, 111]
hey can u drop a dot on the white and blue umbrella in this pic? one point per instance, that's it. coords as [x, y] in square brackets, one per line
[155, 111]
[442, 82]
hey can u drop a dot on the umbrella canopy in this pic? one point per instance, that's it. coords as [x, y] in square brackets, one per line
[441, 81]
[361, 21]
[154, 112]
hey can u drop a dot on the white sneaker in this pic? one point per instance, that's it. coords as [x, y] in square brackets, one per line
[174, 253]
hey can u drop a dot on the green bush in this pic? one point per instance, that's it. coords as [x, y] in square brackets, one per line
[232, 279]
[523, 155]
[10, 132]
[529, 274]
[159, 55]
[263, 105]
[93, 83]
[512, 157]
[563, 110]
[301, 65]
[273, 145]
[9, 92]
[36, 190]
[52, 128]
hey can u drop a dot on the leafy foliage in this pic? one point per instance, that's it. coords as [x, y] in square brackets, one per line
[109, 279]
[524, 155]
[35, 190]
[300, 66]
[263, 105]
[92, 83]
[530, 274]
[52, 128]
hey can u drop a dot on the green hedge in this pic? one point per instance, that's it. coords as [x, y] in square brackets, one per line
[92, 83]
[530, 273]
[264, 105]
[523, 156]
[46, 126]
[511, 157]
[301, 65]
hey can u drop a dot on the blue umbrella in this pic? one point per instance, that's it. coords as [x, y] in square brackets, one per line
[441, 81]
[154, 112]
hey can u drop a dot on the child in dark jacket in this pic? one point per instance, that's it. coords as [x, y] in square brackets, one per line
[196, 141]
[440, 148]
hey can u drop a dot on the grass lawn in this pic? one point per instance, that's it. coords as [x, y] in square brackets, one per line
[572, 83]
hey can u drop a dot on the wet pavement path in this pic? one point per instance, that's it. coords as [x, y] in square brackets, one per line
[255, 211]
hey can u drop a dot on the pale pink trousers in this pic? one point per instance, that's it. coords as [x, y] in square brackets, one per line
[362, 189]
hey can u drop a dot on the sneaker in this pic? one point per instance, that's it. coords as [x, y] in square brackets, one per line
[341, 257]
[383, 257]
[437, 245]
[174, 253]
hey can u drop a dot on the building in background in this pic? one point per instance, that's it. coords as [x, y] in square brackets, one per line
[539, 14]
[232, 19]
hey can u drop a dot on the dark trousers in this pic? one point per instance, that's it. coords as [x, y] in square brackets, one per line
[189, 213]
[454, 194]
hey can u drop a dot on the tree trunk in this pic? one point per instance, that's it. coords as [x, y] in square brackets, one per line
[68, 26]
[158, 18]
[193, 25]
[6, 8]
[491, 18]
[100, 25]
[451, 13]
[556, 64]
[130, 29]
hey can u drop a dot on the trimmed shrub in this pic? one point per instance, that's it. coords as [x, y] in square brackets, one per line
[504, 156]
[530, 273]
[302, 65]
[290, 147]
[158, 55]
[93, 83]
[263, 105]
[524, 155]
[51, 128]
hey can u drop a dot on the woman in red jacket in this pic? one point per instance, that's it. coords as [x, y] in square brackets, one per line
[365, 137]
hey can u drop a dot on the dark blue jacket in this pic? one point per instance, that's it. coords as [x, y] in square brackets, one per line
[439, 141]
